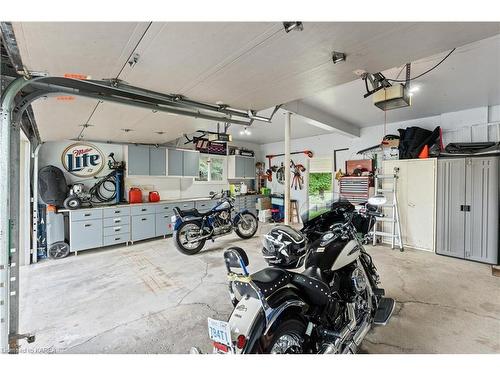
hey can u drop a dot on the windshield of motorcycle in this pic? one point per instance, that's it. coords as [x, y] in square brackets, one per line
[309, 213]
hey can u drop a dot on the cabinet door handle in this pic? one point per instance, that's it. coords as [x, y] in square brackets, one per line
[465, 207]
[117, 238]
[143, 219]
[117, 229]
[88, 225]
[144, 209]
[87, 214]
[117, 211]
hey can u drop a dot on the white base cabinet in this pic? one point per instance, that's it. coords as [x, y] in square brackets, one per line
[416, 188]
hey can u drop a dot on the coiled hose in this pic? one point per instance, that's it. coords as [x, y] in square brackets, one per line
[105, 189]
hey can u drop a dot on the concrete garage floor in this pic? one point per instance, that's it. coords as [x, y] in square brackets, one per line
[149, 298]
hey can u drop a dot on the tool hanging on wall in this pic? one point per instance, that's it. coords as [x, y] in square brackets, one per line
[272, 168]
[297, 179]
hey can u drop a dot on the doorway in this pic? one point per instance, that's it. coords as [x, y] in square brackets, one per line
[320, 185]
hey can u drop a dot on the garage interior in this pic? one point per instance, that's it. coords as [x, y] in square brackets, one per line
[285, 116]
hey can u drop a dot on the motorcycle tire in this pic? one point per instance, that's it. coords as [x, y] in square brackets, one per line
[72, 202]
[247, 236]
[178, 243]
[287, 338]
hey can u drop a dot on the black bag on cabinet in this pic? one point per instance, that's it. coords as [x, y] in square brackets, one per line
[413, 139]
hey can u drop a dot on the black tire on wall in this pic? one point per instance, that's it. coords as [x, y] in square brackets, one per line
[72, 202]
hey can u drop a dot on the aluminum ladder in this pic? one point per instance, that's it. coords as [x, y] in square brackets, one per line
[390, 182]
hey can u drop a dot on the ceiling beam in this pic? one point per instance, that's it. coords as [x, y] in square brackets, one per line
[322, 118]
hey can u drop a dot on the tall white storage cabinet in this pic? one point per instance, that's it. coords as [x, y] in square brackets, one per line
[416, 187]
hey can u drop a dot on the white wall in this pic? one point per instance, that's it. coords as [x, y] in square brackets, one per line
[462, 126]
[460, 122]
[168, 187]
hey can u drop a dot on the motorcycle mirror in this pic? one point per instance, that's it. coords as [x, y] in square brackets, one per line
[377, 200]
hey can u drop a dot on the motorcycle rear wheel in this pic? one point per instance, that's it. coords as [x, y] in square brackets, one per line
[288, 338]
[180, 237]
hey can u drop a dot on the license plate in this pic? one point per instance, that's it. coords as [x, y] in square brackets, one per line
[220, 332]
[173, 219]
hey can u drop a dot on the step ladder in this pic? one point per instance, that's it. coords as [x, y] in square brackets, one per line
[386, 184]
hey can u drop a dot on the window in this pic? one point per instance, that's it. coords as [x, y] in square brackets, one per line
[211, 169]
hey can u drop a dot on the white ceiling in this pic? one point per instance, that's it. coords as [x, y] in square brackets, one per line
[469, 78]
[246, 65]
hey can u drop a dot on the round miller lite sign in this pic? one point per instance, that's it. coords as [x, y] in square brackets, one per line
[82, 159]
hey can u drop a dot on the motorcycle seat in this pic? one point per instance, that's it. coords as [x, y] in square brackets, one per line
[316, 290]
[193, 212]
[271, 279]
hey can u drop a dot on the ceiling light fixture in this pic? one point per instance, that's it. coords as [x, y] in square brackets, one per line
[338, 57]
[295, 25]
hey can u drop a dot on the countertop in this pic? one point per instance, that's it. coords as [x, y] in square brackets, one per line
[163, 201]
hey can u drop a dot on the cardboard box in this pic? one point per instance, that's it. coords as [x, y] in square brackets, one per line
[265, 216]
[391, 143]
[263, 203]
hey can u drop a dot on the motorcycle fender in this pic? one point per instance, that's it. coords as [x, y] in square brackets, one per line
[247, 319]
[179, 221]
[237, 217]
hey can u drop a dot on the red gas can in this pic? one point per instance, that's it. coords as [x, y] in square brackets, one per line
[135, 195]
[154, 196]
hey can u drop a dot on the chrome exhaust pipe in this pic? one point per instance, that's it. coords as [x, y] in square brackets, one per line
[361, 332]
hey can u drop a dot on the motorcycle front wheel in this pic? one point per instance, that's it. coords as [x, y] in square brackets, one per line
[185, 238]
[288, 338]
[247, 226]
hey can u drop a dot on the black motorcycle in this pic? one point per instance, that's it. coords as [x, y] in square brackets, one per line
[328, 308]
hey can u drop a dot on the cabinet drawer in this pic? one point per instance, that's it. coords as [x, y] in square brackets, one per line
[85, 214]
[163, 224]
[167, 207]
[117, 229]
[85, 234]
[142, 209]
[185, 205]
[116, 239]
[116, 211]
[112, 221]
[143, 226]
